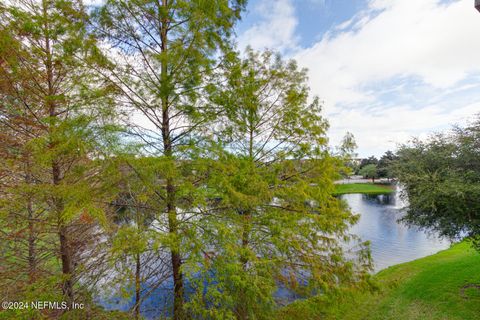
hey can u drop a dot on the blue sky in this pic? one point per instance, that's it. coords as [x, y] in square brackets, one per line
[387, 70]
[314, 17]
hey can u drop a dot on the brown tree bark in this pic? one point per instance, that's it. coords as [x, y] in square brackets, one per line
[32, 237]
[137, 286]
[241, 307]
[65, 252]
[178, 287]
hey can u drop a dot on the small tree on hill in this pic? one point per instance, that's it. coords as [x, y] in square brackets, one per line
[369, 172]
[367, 161]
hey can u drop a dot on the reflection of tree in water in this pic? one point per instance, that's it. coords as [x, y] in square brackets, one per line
[382, 199]
[392, 241]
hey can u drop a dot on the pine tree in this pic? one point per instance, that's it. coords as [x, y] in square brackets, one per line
[164, 51]
[278, 224]
[59, 124]
[22, 222]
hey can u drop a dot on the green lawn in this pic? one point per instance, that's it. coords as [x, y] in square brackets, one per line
[439, 287]
[366, 188]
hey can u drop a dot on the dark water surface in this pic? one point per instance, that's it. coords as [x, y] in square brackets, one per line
[391, 242]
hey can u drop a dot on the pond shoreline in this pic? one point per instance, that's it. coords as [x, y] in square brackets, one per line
[439, 286]
[391, 241]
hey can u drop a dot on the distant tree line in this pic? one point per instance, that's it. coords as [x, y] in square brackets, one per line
[373, 168]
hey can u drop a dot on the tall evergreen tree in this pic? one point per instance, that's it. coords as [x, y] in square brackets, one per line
[164, 52]
[22, 223]
[60, 119]
[277, 224]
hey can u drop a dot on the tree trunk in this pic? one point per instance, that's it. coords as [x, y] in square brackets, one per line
[63, 234]
[32, 252]
[178, 310]
[137, 286]
[32, 238]
[241, 307]
[65, 254]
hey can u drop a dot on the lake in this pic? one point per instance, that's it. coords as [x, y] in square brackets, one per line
[391, 242]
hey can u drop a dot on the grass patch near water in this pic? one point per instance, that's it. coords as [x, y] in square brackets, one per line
[365, 188]
[443, 286]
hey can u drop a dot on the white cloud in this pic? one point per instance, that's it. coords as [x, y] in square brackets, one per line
[384, 128]
[437, 44]
[93, 2]
[276, 30]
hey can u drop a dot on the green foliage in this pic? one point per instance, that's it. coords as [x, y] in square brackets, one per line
[385, 165]
[57, 123]
[167, 52]
[441, 177]
[367, 161]
[434, 287]
[175, 43]
[369, 171]
[230, 192]
[277, 222]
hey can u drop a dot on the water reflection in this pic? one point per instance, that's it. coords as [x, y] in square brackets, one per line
[392, 242]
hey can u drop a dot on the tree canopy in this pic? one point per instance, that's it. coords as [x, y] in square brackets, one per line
[275, 192]
[369, 171]
[56, 120]
[441, 180]
[144, 158]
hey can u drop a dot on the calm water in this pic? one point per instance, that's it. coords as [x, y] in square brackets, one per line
[391, 242]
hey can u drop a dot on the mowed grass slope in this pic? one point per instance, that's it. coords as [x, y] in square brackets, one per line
[439, 287]
[365, 188]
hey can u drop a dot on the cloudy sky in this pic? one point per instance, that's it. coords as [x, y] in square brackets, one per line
[387, 70]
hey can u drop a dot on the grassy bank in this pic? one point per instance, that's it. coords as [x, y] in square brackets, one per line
[442, 286]
[366, 188]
